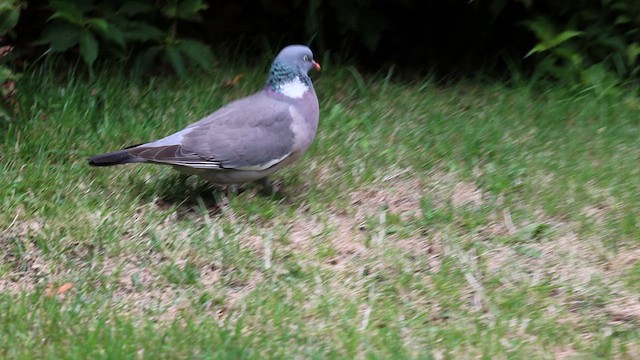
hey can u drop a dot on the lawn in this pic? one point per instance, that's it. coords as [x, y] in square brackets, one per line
[463, 220]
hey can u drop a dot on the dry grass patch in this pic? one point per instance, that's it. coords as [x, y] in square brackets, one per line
[466, 193]
[624, 308]
[24, 265]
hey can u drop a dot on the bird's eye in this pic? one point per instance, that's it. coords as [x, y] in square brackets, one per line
[305, 58]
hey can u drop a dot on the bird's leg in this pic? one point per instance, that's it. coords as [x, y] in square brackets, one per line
[232, 190]
[267, 187]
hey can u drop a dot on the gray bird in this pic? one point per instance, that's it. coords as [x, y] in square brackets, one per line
[246, 140]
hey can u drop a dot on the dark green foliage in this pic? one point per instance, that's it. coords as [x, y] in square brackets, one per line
[77, 24]
[9, 15]
[361, 18]
[592, 43]
[127, 30]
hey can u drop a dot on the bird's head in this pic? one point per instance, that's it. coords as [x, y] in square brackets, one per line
[299, 56]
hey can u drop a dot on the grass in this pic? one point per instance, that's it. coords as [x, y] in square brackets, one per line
[461, 221]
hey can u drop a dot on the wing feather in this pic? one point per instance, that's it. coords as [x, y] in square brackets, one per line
[253, 133]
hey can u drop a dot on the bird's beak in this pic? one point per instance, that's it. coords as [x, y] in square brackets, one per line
[316, 66]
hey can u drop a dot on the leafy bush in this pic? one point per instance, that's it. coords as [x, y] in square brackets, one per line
[74, 23]
[588, 43]
[127, 30]
[9, 15]
[593, 43]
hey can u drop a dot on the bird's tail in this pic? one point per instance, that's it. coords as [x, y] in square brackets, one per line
[114, 158]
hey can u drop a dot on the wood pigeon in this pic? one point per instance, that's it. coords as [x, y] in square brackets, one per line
[246, 140]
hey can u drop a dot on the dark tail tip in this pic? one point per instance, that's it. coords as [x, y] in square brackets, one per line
[113, 158]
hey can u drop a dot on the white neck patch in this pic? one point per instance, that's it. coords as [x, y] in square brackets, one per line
[294, 89]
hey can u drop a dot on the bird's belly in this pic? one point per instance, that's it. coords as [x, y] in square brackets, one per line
[229, 176]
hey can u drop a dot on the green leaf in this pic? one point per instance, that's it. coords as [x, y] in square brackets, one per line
[554, 41]
[8, 20]
[108, 31]
[632, 52]
[197, 52]
[563, 36]
[115, 35]
[541, 28]
[170, 9]
[88, 47]
[145, 60]
[574, 57]
[61, 37]
[5, 73]
[173, 54]
[68, 11]
[189, 9]
[135, 7]
[540, 47]
[185, 10]
[98, 24]
[67, 17]
[143, 32]
[622, 19]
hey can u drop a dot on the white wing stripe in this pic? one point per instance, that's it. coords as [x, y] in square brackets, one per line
[263, 166]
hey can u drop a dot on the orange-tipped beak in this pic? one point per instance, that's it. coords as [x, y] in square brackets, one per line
[316, 66]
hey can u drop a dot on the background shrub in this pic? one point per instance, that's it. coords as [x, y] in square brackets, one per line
[585, 43]
[9, 16]
[137, 31]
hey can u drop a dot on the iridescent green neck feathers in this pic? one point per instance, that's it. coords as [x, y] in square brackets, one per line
[288, 80]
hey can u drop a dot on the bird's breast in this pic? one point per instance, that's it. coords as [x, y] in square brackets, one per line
[303, 126]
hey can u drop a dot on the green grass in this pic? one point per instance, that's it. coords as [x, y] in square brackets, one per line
[462, 221]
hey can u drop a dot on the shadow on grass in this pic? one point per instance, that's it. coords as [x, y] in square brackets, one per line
[191, 195]
[188, 194]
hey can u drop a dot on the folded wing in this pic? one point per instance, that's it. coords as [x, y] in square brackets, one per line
[253, 133]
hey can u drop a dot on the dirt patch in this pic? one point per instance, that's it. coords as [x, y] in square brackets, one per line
[347, 231]
[324, 172]
[304, 230]
[210, 276]
[402, 198]
[340, 230]
[498, 224]
[596, 212]
[500, 258]
[622, 261]
[26, 266]
[238, 293]
[568, 253]
[140, 291]
[557, 259]
[429, 249]
[253, 243]
[624, 309]
[132, 275]
[566, 353]
[159, 304]
[35, 274]
[466, 193]
[347, 242]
